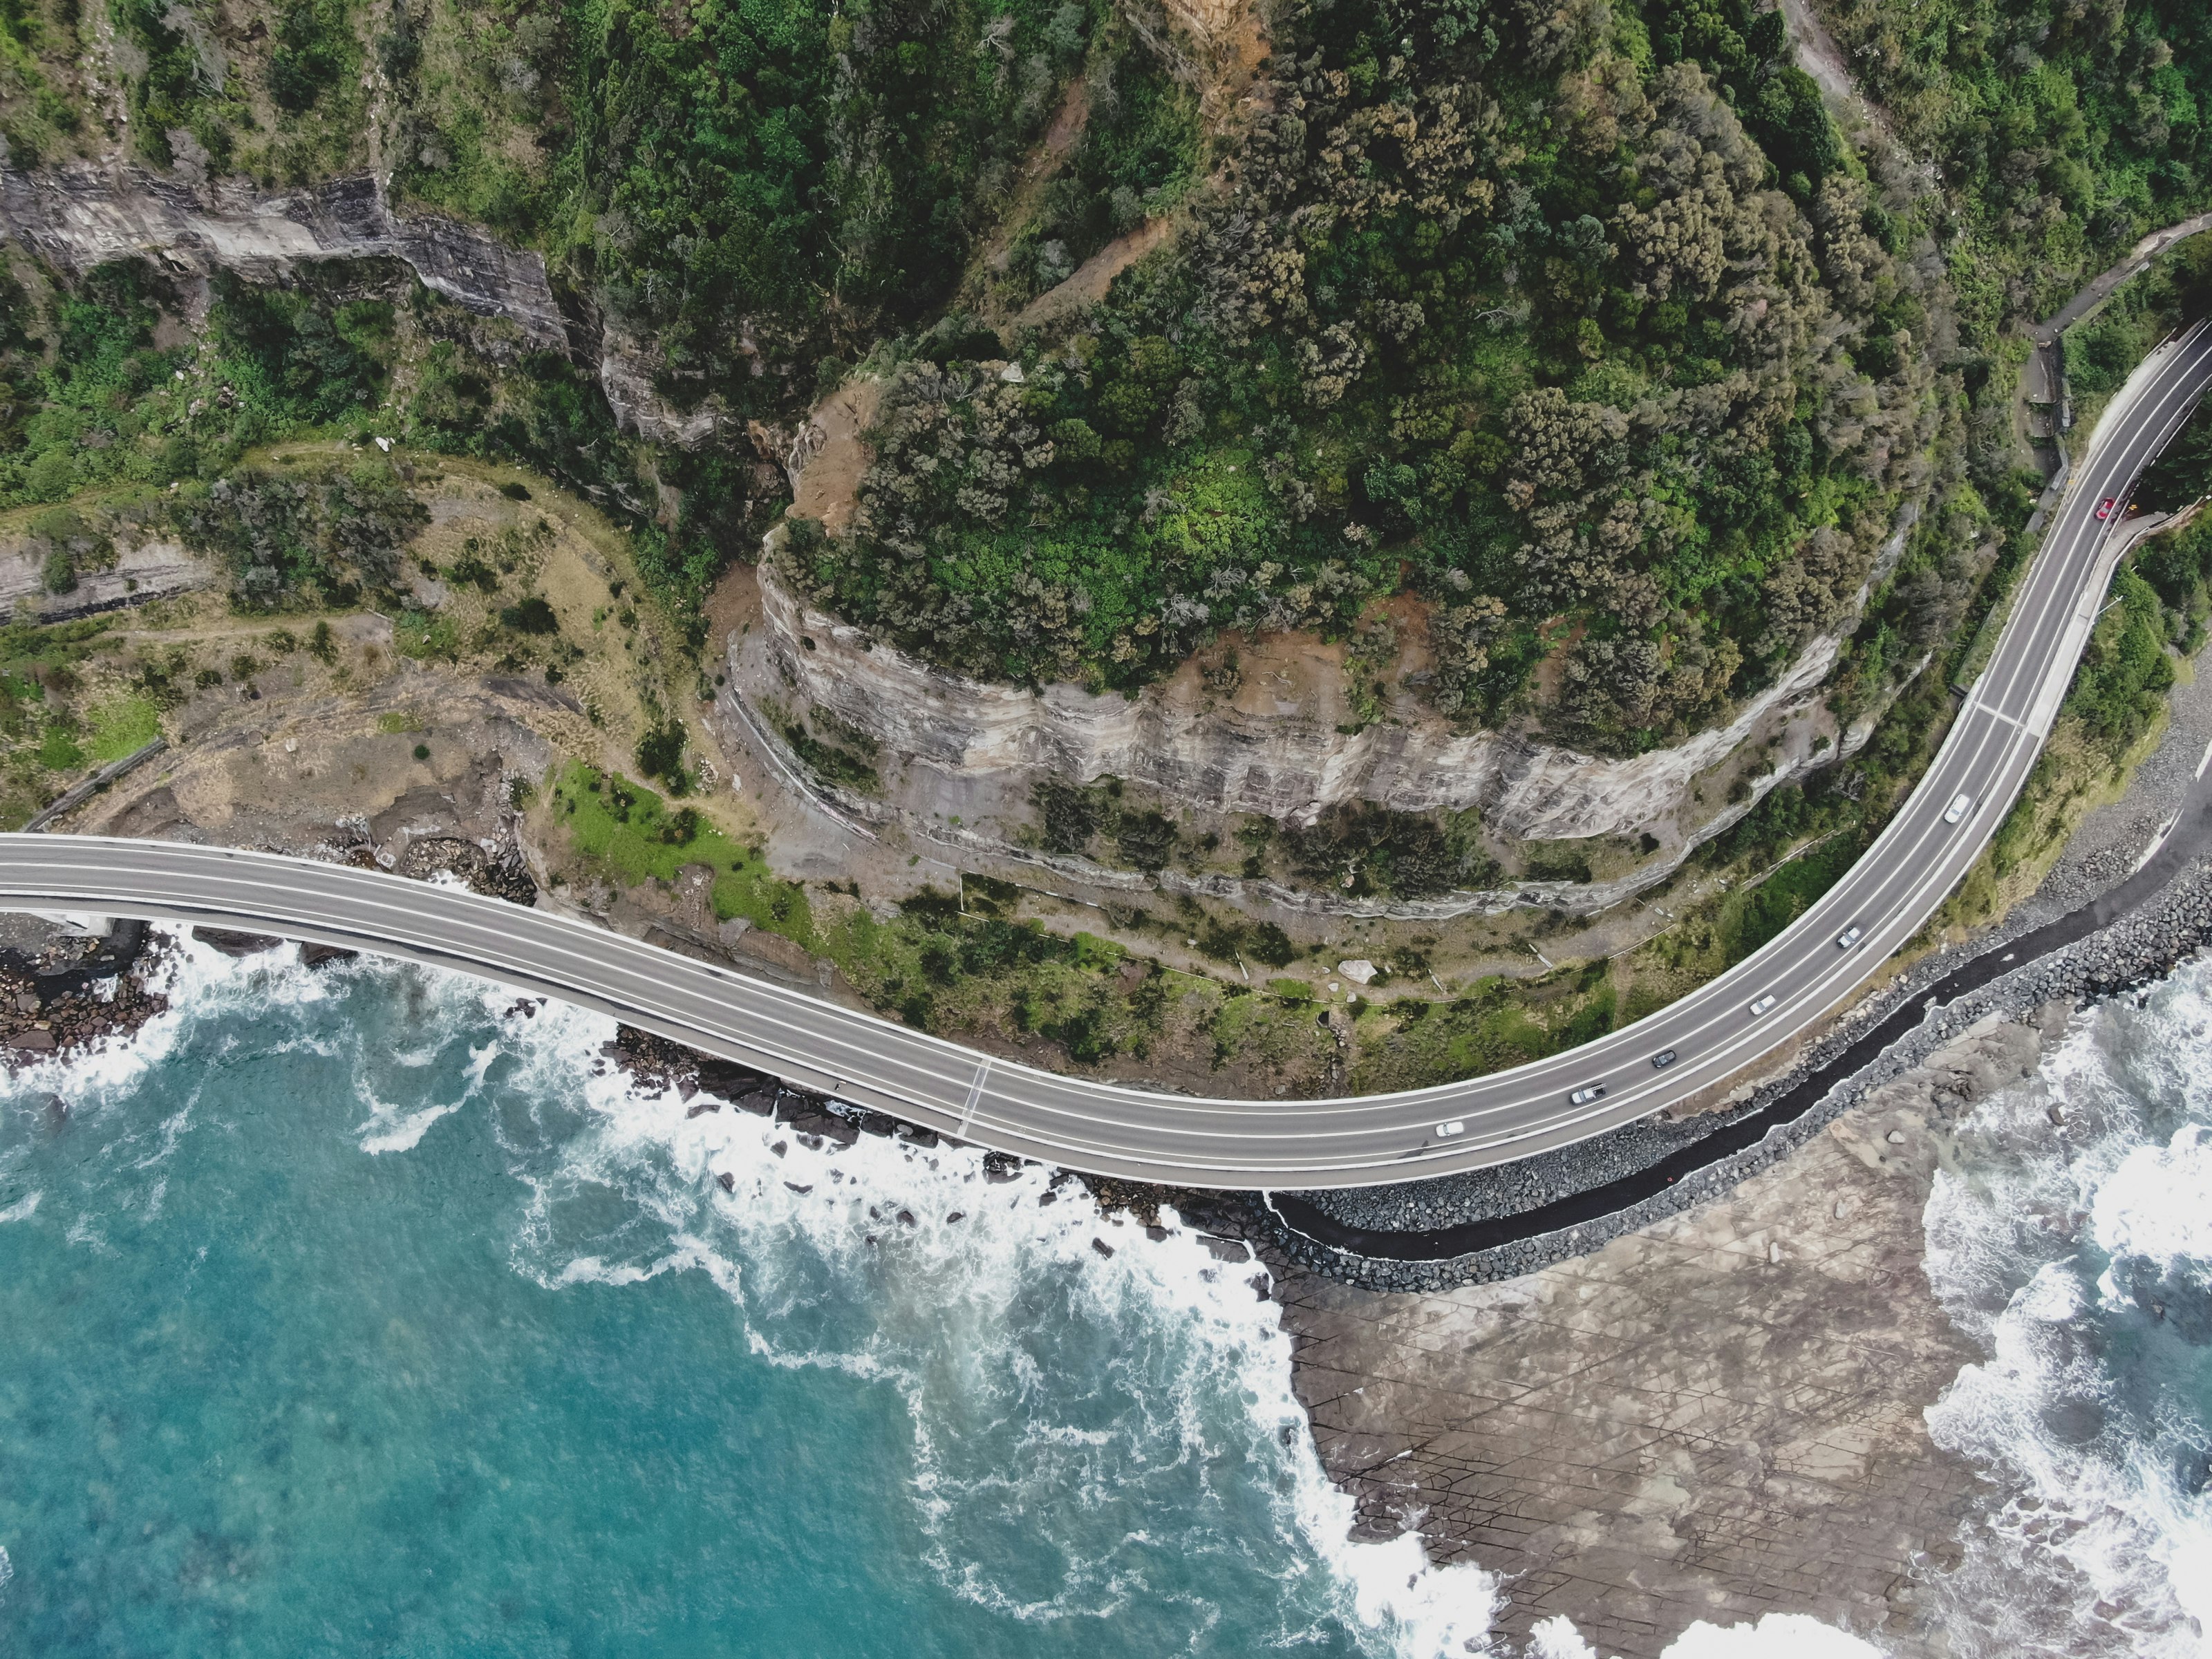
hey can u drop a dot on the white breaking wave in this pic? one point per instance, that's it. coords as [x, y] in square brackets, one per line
[947, 1272]
[952, 1287]
[394, 1129]
[2158, 1203]
[22, 1209]
[2078, 1212]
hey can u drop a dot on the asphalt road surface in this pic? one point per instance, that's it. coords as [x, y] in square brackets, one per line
[1713, 1033]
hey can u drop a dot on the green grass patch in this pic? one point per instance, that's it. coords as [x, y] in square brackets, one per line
[636, 834]
[123, 726]
[58, 750]
[1487, 1030]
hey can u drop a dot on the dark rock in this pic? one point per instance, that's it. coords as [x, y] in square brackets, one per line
[232, 944]
[502, 875]
[906, 1217]
[34, 1041]
[314, 956]
[706, 1105]
[1102, 1247]
[796, 1187]
[729, 1181]
[958, 1215]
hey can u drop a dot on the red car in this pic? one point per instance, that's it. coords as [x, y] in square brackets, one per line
[2105, 508]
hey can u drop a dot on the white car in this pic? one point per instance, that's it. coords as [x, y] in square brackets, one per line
[1959, 809]
[1850, 937]
[1456, 1126]
[1588, 1093]
[1762, 1004]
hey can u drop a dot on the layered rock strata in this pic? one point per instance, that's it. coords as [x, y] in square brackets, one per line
[961, 755]
[78, 217]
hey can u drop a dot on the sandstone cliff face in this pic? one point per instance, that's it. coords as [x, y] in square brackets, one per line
[1272, 745]
[79, 217]
[153, 569]
[75, 218]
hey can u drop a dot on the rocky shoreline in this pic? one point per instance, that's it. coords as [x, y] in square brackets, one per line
[2141, 946]
[62, 993]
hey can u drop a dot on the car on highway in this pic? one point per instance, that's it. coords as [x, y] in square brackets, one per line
[1763, 1003]
[1850, 937]
[1663, 1060]
[1587, 1094]
[1456, 1126]
[1960, 806]
[2105, 508]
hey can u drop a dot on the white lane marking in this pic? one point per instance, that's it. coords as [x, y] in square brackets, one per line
[2206, 760]
[975, 1094]
[888, 1037]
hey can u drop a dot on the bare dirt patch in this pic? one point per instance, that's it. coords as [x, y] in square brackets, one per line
[1095, 275]
[830, 483]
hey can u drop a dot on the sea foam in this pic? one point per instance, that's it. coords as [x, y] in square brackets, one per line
[1048, 1357]
[2071, 1242]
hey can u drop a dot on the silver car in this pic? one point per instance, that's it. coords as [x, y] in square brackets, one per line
[1762, 1004]
[1959, 809]
[1585, 1095]
[1850, 937]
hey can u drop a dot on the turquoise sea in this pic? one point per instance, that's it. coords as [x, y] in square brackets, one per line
[353, 1311]
[344, 1311]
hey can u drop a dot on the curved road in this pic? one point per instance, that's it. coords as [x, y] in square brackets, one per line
[1713, 1033]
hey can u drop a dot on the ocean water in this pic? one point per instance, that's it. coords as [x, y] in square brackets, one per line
[2074, 1242]
[347, 1312]
[355, 1312]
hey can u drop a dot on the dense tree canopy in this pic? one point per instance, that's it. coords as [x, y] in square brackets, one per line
[1543, 334]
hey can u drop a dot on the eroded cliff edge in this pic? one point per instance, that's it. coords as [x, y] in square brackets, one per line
[1277, 738]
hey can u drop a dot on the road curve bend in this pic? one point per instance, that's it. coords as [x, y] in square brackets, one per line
[1762, 1003]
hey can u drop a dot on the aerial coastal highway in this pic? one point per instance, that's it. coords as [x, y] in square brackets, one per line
[1710, 1035]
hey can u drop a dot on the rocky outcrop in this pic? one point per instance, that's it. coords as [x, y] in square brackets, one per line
[75, 218]
[152, 570]
[1274, 745]
[79, 217]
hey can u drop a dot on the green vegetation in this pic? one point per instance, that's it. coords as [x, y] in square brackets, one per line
[122, 725]
[840, 756]
[744, 186]
[43, 718]
[957, 962]
[2061, 132]
[1474, 317]
[1359, 848]
[100, 406]
[309, 535]
[2111, 716]
[1137, 158]
[632, 833]
[943, 966]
